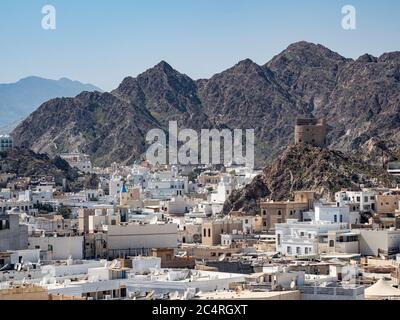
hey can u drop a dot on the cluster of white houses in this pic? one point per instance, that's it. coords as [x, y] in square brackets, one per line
[147, 232]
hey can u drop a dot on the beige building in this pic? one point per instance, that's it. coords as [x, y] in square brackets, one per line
[278, 212]
[212, 230]
[386, 203]
[251, 224]
[24, 292]
[210, 252]
[209, 178]
[310, 131]
[83, 219]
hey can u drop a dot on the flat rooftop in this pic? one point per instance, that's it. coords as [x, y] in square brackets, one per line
[249, 295]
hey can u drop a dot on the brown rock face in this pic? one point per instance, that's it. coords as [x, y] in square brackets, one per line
[26, 163]
[308, 168]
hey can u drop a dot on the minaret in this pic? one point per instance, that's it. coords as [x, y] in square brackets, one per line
[123, 198]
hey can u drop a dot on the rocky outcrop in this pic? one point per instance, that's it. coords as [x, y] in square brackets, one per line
[26, 163]
[308, 168]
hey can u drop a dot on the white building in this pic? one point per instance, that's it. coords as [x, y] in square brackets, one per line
[332, 213]
[78, 160]
[224, 190]
[365, 199]
[169, 281]
[302, 238]
[176, 206]
[133, 238]
[59, 248]
[164, 187]
[375, 242]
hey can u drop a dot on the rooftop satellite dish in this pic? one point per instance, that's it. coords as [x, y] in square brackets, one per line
[222, 257]
[292, 285]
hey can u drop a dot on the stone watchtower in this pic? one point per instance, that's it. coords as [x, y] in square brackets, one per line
[310, 131]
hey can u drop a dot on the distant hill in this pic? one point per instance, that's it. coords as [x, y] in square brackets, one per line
[26, 163]
[19, 99]
[308, 168]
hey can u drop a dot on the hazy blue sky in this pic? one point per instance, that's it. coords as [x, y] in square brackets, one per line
[101, 41]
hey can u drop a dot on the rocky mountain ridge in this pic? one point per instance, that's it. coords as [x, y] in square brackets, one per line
[359, 98]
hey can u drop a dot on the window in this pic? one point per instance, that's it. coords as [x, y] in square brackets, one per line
[279, 239]
[331, 243]
[358, 199]
[335, 218]
[365, 199]
[289, 250]
[209, 232]
[4, 224]
[264, 212]
[246, 221]
[341, 218]
[306, 250]
[204, 232]
[301, 234]
[279, 212]
[298, 250]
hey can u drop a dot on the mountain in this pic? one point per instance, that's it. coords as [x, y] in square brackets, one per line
[308, 168]
[19, 99]
[26, 163]
[100, 124]
[359, 98]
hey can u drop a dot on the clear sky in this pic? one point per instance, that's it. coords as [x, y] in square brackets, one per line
[101, 41]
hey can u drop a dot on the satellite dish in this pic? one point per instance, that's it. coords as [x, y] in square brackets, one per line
[292, 285]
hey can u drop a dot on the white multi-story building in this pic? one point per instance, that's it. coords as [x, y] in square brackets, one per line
[138, 177]
[165, 186]
[333, 213]
[43, 193]
[302, 238]
[78, 160]
[365, 199]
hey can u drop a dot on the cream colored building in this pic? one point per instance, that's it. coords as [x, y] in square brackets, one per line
[212, 230]
[386, 203]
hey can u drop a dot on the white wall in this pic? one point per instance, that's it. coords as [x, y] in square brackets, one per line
[62, 247]
[137, 236]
